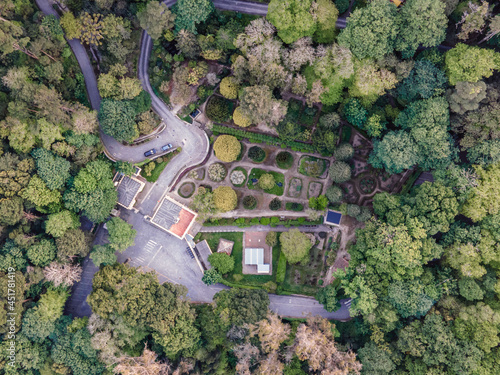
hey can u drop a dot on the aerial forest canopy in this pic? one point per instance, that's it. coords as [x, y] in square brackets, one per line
[418, 81]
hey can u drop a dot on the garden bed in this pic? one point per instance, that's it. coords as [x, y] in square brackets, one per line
[314, 189]
[313, 167]
[284, 160]
[186, 190]
[155, 173]
[294, 187]
[304, 279]
[279, 178]
[294, 206]
[241, 169]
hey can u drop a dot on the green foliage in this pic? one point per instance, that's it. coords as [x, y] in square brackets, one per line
[334, 193]
[222, 262]
[470, 63]
[42, 253]
[284, 160]
[275, 204]
[227, 148]
[281, 271]
[117, 119]
[318, 203]
[371, 30]
[257, 154]
[340, 172]
[38, 193]
[266, 181]
[72, 243]
[124, 167]
[292, 18]
[156, 18]
[327, 15]
[249, 202]
[396, 152]
[121, 234]
[295, 245]
[375, 361]
[57, 224]
[271, 237]
[466, 96]
[211, 276]
[421, 22]
[11, 210]
[229, 87]
[344, 152]
[242, 305]
[375, 125]
[470, 289]
[225, 198]
[53, 169]
[484, 197]
[328, 297]
[355, 113]
[409, 298]
[425, 81]
[103, 255]
[190, 13]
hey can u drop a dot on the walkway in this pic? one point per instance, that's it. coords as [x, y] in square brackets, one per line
[266, 228]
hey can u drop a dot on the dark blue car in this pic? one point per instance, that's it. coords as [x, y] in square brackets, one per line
[150, 152]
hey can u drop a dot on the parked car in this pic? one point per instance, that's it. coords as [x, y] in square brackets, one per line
[166, 147]
[150, 152]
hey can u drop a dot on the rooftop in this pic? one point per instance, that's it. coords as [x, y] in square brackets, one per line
[225, 246]
[173, 217]
[128, 188]
[333, 217]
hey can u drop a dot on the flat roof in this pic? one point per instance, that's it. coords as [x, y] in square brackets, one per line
[333, 217]
[173, 217]
[128, 188]
[254, 256]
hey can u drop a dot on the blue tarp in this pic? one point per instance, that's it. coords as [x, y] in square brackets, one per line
[333, 217]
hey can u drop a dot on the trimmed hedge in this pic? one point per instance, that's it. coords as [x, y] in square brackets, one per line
[274, 221]
[281, 271]
[294, 206]
[262, 138]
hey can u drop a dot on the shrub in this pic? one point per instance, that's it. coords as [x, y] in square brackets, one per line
[249, 202]
[271, 238]
[365, 214]
[344, 152]
[266, 181]
[275, 204]
[340, 172]
[222, 262]
[294, 206]
[229, 87]
[211, 276]
[240, 119]
[270, 286]
[353, 210]
[265, 221]
[227, 148]
[334, 194]
[225, 198]
[203, 92]
[237, 177]
[284, 160]
[217, 172]
[256, 154]
[217, 109]
[329, 121]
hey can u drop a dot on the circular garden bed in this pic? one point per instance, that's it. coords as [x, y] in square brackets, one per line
[249, 202]
[186, 190]
[367, 185]
[217, 172]
[284, 160]
[256, 154]
[238, 176]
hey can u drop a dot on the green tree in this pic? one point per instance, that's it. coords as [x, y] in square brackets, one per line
[327, 15]
[42, 253]
[156, 18]
[375, 361]
[227, 148]
[272, 238]
[240, 306]
[466, 96]
[54, 170]
[292, 18]
[396, 152]
[121, 234]
[190, 13]
[11, 210]
[344, 152]
[71, 25]
[211, 276]
[57, 224]
[295, 245]
[124, 167]
[117, 119]
[340, 172]
[328, 297]
[484, 197]
[470, 63]
[222, 262]
[421, 22]
[425, 80]
[371, 30]
[409, 298]
[334, 193]
[258, 104]
[39, 194]
[188, 44]
[103, 255]
[229, 87]
[72, 243]
[355, 113]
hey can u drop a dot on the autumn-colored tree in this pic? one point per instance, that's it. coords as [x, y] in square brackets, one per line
[91, 32]
[227, 148]
[225, 198]
[229, 87]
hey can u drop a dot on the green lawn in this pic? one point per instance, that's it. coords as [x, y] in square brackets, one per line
[255, 173]
[237, 237]
[312, 166]
[159, 167]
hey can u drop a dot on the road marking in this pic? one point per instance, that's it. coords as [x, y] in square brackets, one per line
[154, 256]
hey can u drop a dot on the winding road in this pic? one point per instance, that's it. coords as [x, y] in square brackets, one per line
[195, 147]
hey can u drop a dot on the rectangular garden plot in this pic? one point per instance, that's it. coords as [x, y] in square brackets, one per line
[313, 167]
[294, 187]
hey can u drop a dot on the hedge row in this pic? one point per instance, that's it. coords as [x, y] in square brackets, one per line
[281, 271]
[262, 138]
[273, 221]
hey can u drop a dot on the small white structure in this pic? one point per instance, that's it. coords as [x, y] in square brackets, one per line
[255, 257]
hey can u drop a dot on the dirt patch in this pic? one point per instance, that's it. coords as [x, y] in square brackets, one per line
[294, 187]
[314, 189]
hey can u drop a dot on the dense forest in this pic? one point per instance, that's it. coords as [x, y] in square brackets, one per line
[420, 80]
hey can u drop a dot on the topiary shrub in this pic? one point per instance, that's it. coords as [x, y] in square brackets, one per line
[217, 172]
[249, 202]
[275, 204]
[225, 198]
[334, 194]
[227, 148]
[229, 87]
[240, 119]
[266, 181]
[218, 109]
[256, 154]
[340, 172]
[284, 160]
[344, 152]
